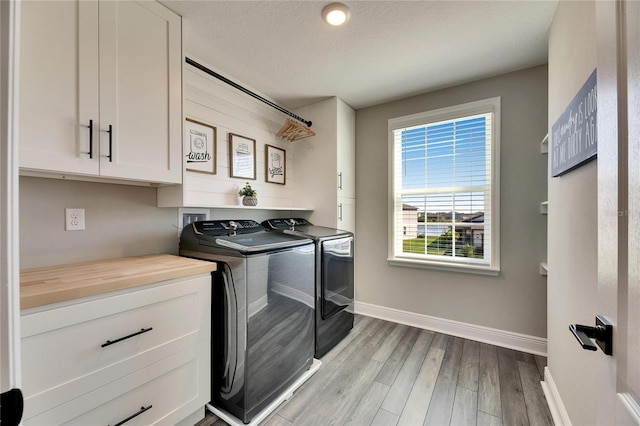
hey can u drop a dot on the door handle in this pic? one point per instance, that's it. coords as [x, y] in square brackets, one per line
[12, 403]
[602, 333]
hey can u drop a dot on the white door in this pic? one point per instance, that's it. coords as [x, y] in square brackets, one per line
[618, 392]
[9, 265]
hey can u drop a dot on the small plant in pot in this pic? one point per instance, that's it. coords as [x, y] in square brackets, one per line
[248, 195]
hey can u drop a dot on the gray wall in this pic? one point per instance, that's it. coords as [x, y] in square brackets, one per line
[573, 218]
[121, 220]
[515, 300]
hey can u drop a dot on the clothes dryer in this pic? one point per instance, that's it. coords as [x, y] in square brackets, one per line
[334, 278]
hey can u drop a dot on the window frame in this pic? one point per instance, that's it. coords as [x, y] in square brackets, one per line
[490, 105]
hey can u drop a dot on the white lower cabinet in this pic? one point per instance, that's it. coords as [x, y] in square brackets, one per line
[102, 360]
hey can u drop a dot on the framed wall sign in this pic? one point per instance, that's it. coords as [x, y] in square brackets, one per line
[574, 136]
[275, 164]
[242, 157]
[199, 147]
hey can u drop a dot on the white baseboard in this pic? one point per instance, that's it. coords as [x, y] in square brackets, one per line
[506, 339]
[558, 412]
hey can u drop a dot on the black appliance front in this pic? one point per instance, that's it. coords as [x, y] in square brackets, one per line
[262, 337]
[334, 287]
[336, 275]
[334, 292]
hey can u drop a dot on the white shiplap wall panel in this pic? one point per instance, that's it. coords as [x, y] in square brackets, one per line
[232, 101]
[214, 102]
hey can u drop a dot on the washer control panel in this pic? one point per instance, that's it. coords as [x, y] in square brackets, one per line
[224, 227]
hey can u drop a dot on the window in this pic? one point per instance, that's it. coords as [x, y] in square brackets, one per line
[444, 183]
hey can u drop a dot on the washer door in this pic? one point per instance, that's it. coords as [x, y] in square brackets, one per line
[336, 279]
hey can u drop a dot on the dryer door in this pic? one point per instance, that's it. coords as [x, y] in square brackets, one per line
[336, 278]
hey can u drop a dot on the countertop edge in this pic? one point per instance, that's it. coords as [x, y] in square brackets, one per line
[103, 277]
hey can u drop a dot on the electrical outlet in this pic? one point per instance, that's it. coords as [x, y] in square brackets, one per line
[74, 219]
[188, 218]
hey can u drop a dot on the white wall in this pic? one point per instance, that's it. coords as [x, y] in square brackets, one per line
[515, 300]
[121, 221]
[573, 213]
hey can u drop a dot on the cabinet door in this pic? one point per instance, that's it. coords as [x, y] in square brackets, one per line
[58, 85]
[140, 91]
[346, 150]
[346, 214]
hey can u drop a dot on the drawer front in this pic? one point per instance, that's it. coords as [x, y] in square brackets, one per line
[65, 351]
[174, 388]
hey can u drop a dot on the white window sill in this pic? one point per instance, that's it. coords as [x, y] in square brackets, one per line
[442, 266]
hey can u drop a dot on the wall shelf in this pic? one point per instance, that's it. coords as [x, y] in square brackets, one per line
[544, 207]
[544, 145]
[544, 269]
[259, 207]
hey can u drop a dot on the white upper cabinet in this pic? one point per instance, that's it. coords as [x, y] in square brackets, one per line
[54, 119]
[140, 91]
[325, 164]
[346, 150]
[100, 90]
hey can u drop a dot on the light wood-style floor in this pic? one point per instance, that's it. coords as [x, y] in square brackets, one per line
[391, 374]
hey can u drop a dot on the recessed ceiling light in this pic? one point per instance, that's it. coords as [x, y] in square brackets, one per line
[336, 14]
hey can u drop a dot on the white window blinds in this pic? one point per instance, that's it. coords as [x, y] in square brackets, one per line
[444, 186]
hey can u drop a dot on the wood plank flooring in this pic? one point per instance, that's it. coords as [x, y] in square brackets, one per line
[389, 374]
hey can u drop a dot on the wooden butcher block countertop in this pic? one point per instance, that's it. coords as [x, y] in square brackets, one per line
[52, 284]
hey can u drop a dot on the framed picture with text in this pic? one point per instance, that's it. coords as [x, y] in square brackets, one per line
[275, 165]
[242, 157]
[199, 147]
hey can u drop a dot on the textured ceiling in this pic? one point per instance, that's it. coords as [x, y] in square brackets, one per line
[388, 50]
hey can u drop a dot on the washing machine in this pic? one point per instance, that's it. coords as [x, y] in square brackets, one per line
[262, 337]
[334, 282]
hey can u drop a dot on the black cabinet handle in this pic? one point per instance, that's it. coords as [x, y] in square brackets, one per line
[90, 126]
[136, 414]
[111, 342]
[602, 332]
[110, 131]
[110, 143]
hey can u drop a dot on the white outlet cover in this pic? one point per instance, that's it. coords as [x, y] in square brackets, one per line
[74, 219]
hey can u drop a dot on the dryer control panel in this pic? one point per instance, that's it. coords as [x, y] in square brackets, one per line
[285, 223]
